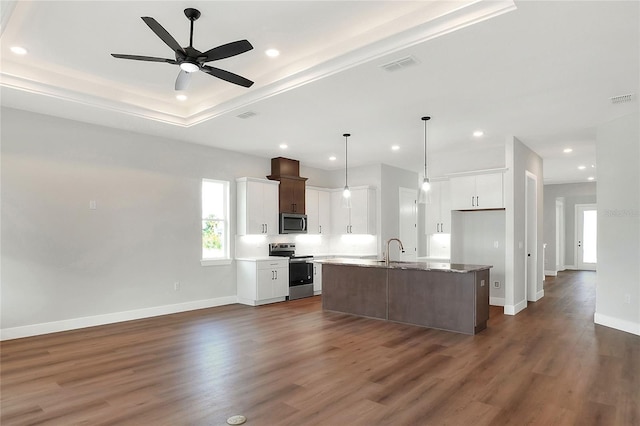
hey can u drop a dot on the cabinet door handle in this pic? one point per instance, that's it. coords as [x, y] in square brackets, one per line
[272, 274]
[477, 201]
[314, 270]
[319, 229]
[276, 274]
[266, 228]
[473, 202]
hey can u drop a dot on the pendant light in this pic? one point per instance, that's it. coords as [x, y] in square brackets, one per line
[346, 193]
[424, 197]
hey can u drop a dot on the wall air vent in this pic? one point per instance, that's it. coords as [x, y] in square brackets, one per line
[622, 98]
[400, 64]
[247, 114]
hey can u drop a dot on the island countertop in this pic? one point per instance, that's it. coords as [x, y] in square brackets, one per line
[417, 266]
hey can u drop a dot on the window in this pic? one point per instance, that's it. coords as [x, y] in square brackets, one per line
[215, 222]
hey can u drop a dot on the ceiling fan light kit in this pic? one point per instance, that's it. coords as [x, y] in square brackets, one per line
[190, 59]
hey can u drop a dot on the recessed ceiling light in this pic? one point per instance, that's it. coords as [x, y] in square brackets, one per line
[19, 50]
[567, 150]
[582, 167]
[272, 53]
[284, 146]
[591, 178]
[181, 97]
[593, 166]
[332, 158]
[478, 133]
[395, 147]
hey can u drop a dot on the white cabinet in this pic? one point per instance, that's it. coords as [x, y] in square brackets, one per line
[438, 210]
[318, 208]
[257, 206]
[317, 278]
[360, 218]
[477, 192]
[262, 281]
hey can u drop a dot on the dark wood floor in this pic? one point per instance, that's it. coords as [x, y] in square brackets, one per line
[290, 363]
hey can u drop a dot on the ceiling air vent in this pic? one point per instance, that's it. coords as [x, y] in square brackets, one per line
[399, 64]
[622, 98]
[247, 114]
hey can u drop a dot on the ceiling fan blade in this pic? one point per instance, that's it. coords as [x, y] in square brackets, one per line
[163, 34]
[143, 58]
[182, 82]
[227, 76]
[227, 50]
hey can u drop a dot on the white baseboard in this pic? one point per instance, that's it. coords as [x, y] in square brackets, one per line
[539, 295]
[514, 309]
[570, 267]
[496, 301]
[92, 321]
[617, 323]
[551, 273]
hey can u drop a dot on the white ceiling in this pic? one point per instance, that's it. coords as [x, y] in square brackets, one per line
[540, 71]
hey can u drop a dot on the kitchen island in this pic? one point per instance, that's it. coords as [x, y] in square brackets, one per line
[447, 296]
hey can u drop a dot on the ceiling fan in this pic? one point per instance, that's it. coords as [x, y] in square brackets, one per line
[190, 59]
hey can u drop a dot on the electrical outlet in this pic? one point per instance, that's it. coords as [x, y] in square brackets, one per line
[496, 284]
[627, 299]
[176, 286]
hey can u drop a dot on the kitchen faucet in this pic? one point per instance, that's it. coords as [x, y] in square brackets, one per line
[386, 259]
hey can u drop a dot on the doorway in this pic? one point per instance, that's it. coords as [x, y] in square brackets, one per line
[586, 237]
[560, 235]
[408, 226]
[531, 238]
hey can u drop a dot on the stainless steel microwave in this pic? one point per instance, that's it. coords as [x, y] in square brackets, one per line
[293, 223]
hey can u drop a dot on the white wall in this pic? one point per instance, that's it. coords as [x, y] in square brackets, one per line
[392, 180]
[520, 160]
[572, 194]
[65, 266]
[474, 236]
[618, 276]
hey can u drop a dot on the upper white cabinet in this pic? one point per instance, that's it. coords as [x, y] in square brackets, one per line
[438, 210]
[360, 218]
[318, 203]
[477, 192]
[257, 201]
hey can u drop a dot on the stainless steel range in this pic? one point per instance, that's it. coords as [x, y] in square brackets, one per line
[300, 270]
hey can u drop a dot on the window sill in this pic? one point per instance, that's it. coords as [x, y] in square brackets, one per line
[215, 262]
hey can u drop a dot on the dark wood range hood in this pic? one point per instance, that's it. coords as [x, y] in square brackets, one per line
[292, 186]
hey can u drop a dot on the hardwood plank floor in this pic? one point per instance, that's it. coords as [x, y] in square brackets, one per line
[293, 364]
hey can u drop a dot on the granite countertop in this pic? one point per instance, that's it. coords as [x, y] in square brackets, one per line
[419, 266]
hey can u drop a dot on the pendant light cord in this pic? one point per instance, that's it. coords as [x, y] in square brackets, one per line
[425, 119]
[346, 138]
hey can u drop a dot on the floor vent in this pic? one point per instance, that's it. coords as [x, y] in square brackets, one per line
[247, 114]
[399, 64]
[622, 98]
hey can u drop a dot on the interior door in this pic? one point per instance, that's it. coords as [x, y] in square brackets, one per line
[408, 226]
[586, 236]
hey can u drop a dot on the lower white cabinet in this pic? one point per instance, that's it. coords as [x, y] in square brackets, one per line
[317, 278]
[262, 281]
